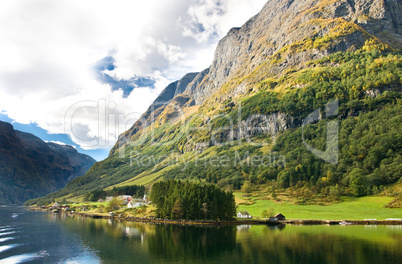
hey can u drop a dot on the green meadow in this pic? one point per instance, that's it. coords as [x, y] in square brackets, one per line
[351, 208]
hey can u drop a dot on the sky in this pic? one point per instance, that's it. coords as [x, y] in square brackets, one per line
[80, 72]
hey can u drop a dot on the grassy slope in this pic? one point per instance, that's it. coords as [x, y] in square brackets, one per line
[347, 208]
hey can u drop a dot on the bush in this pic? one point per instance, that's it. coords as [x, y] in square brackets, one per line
[115, 204]
[358, 183]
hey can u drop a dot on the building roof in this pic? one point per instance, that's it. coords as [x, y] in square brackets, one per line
[244, 213]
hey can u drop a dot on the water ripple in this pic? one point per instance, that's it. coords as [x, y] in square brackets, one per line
[4, 239]
[23, 258]
[15, 215]
[6, 229]
[7, 247]
[7, 233]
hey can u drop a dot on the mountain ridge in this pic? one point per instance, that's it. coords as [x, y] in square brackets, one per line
[30, 167]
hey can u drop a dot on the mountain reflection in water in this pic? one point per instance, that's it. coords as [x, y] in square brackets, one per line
[35, 237]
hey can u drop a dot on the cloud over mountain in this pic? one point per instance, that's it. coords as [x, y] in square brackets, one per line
[106, 60]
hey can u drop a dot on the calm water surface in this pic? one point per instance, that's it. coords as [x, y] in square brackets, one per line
[35, 237]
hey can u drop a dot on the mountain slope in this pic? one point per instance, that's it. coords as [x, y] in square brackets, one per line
[266, 78]
[284, 36]
[31, 168]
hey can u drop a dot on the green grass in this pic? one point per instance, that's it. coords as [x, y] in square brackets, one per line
[89, 204]
[369, 207]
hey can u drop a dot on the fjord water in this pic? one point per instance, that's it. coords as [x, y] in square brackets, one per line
[36, 237]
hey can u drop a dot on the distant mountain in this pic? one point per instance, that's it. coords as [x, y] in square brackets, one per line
[267, 77]
[30, 168]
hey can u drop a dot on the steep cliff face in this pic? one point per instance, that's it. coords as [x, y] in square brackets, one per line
[30, 167]
[286, 34]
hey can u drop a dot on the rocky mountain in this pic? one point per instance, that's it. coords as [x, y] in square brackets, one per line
[284, 36]
[30, 168]
[250, 105]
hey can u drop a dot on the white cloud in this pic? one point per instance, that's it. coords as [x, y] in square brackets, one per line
[48, 51]
[207, 19]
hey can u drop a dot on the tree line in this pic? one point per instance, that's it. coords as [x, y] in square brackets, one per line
[191, 201]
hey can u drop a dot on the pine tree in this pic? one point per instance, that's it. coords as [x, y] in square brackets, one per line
[177, 212]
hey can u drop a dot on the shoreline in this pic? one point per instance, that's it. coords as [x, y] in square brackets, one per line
[221, 223]
[162, 221]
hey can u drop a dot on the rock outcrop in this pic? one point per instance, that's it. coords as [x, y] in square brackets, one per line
[288, 33]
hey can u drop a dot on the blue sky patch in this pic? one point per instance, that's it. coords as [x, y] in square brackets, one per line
[127, 86]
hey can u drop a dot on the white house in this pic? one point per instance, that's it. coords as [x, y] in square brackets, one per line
[133, 204]
[55, 206]
[244, 214]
